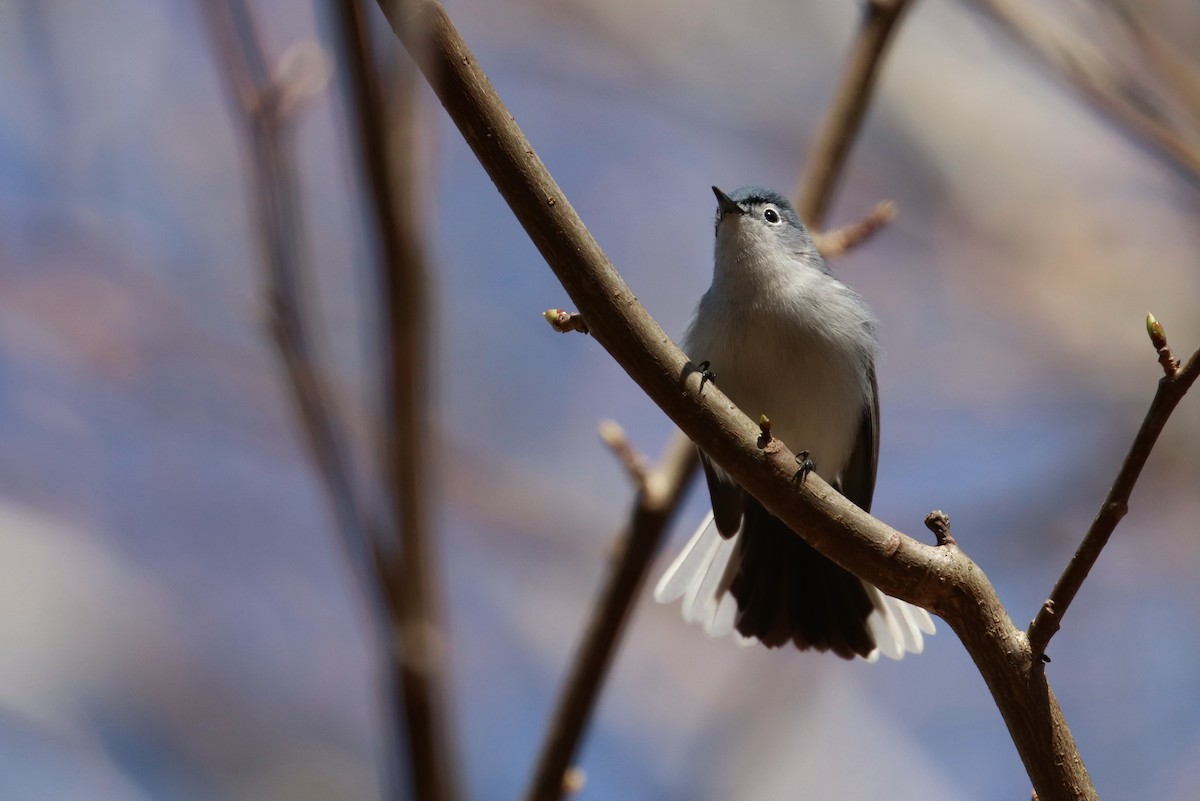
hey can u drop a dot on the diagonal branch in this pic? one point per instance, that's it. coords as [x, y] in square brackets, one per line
[939, 578]
[652, 510]
[1171, 389]
[623, 327]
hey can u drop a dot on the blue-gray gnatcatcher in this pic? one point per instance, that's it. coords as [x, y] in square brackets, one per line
[785, 338]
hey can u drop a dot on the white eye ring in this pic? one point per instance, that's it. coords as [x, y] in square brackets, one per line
[771, 216]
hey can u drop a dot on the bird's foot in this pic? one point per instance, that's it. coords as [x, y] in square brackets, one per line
[804, 466]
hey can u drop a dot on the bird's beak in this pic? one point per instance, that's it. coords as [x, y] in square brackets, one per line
[725, 205]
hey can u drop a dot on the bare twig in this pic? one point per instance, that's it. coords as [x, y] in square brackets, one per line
[1092, 70]
[242, 63]
[409, 575]
[1171, 389]
[634, 463]
[941, 579]
[938, 522]
[840, 241]
[657, 500]
[240, 59]
[844, 120]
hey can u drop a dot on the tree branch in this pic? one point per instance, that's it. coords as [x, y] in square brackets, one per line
[265, 101]
[658, 497]
[1171, 389]
[408, 575]
[586, 676]
[829, 153]
[634, 463]
[939, 578]
[1089, 69]
[624, 328]
[840, 241]
[938, 522]
[242, 64]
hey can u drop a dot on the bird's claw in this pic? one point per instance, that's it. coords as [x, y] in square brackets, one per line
[706, 375]
[804, 466]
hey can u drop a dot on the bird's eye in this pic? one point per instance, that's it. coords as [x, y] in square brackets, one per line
[771, 216]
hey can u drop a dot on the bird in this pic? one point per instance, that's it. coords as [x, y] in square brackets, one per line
[783, 337]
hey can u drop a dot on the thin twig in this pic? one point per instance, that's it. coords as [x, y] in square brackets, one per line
[840, 241]
[1171, 389]
[242, 64]
[1090, 70]
[240, 59]
[844, 119]
[938, 522]
[656, 503]
[409, 576]
[264, 111]
[635, 464]
[1177, 69]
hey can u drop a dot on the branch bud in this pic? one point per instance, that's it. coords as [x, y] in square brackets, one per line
[1158, 336]
[563, 321]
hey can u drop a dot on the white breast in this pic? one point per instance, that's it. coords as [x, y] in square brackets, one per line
[795, 345]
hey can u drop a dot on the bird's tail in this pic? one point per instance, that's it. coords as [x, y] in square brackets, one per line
[765, 584]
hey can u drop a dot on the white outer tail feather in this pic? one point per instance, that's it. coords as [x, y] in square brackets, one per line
[696, 576]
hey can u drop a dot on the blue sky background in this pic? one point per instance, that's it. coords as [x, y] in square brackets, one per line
[176, 618]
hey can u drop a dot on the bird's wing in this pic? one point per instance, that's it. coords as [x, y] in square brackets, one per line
[728, 499]
[896, 626]
[858, 479]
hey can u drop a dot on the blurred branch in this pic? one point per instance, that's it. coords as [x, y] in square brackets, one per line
[1171, 389]
[1179, 72]
[243, 67]
[940, 578]
[408, 577]
[265, 100]
[1097, 72]
[634, 463]
[841, 125]
[658, 496]
[838, 242]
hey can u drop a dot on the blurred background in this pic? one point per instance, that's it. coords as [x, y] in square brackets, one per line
[177, 619]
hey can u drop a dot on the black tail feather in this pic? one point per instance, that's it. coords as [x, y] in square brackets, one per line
[787, 592]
